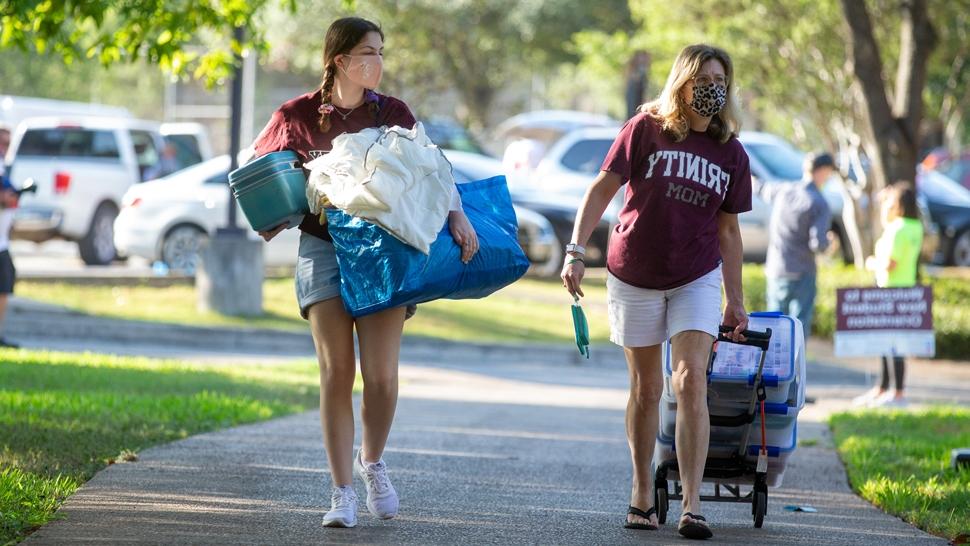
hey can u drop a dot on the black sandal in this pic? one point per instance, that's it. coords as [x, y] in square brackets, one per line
[645, 515]
[696, 529]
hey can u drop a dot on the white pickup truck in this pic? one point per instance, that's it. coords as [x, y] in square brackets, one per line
[82, 167]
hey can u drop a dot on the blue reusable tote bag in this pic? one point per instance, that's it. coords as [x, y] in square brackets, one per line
[378, 271]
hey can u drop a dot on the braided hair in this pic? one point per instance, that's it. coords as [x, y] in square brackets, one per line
[326, 96]
[343, 35]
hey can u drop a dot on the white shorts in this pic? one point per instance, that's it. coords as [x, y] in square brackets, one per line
[640, 317]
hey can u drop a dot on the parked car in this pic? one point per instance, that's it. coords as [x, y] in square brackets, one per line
[190, 142]
[170, 219]
[548, 126]
[449, 135]
[537, 233]
[524, 139]
[82, 168]
[948, 204]
[954, 166]
[573, 162]
[558, 210]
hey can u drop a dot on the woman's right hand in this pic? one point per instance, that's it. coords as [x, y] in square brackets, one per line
[572, 275]
[268, 235]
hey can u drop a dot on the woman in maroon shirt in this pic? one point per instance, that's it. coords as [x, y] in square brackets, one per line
[687, 180]
[346, 102]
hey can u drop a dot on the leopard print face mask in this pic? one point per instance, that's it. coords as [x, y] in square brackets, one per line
[709, 99]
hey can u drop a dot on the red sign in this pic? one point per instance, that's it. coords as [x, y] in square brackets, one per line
[884, 321]
[884, 309]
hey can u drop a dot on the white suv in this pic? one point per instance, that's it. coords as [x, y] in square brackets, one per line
[82, 167]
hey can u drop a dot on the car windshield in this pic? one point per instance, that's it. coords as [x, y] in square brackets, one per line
[940, 189]
[68, 142]
[186, 149]
[586, 156]
[782, 162]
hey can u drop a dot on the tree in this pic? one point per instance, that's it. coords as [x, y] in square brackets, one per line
[473, 51]
[948, 78]
[138, 86]
[166, 33]
[790, 61]
[892, 126]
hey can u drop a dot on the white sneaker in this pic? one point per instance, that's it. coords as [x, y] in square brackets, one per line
[867, 398]
[381, 497]
[343, 508]
[889, 400]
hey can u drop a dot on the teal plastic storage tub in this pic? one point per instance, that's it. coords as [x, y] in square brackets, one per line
[271, 190]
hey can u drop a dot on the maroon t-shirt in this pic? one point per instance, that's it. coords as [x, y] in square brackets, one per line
[294, 126]
[667, 235]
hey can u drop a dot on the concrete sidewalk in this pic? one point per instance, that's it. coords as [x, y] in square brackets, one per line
[491, 445]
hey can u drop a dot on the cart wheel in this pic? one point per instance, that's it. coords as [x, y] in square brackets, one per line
[760, 507]
[660, 501]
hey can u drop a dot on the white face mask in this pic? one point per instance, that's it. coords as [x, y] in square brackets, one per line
[364, 70]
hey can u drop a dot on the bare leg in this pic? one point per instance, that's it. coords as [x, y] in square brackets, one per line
[690, 351]
[379, 336]
[333, 336]
[642, 421]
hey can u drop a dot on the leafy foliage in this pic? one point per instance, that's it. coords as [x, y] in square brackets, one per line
[478, 51]
[166, 33]
[790, 57]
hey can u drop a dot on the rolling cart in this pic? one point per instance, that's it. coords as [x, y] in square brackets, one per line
[728, 466]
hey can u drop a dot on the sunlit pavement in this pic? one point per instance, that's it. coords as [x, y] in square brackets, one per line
[483, 451]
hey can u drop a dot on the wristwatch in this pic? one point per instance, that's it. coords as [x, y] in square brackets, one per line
[575, 249]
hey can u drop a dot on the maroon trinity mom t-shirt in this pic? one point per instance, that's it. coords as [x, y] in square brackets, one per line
[667, 235]
[294, 127]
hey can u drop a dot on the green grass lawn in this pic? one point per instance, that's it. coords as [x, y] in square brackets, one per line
[951, 292]
[64, 416]
[528, 310]
[900, 461]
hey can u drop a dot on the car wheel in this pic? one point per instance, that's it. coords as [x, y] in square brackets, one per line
[181, 248]
[961, 249]
[551, 266]
[98, 247]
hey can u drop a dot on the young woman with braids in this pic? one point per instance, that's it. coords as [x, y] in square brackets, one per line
[345, 103]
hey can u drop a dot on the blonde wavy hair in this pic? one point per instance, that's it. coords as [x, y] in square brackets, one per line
[670, 109]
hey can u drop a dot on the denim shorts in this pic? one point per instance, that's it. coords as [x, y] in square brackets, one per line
[317, 275]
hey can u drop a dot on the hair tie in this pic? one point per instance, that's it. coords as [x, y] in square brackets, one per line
[325, 109]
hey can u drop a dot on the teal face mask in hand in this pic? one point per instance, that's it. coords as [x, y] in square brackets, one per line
[581, 328]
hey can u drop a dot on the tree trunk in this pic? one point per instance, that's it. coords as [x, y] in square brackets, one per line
[892, 135]
[854, 220]
[891, 131]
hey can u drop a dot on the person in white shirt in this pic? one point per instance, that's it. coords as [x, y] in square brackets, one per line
[8, 202]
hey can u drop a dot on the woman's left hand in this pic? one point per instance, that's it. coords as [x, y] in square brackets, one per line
[464, 234]
[735, 315]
